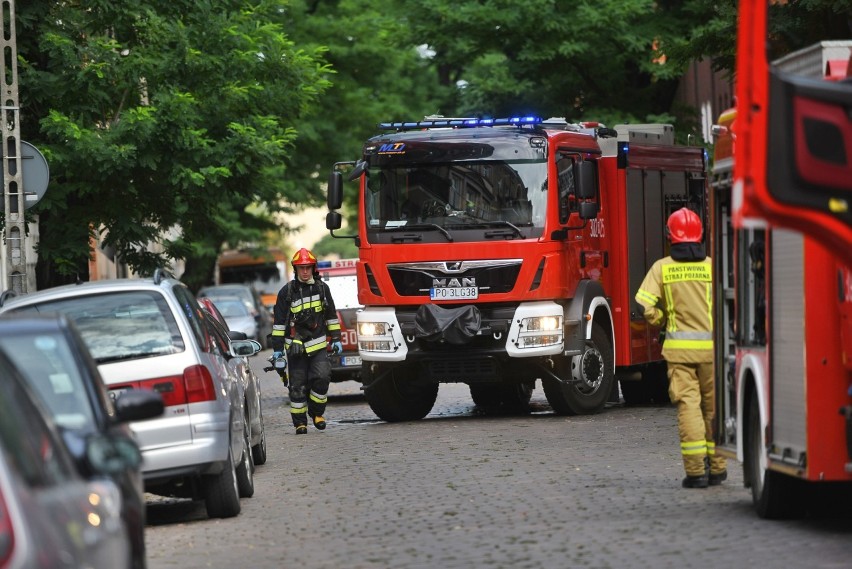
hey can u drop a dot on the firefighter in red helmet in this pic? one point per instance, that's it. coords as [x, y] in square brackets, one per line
[677, 294]
[305, 317]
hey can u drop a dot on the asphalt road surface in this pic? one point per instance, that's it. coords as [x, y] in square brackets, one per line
[464, 489]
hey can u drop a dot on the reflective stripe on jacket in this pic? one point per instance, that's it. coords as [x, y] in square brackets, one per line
[679, 296]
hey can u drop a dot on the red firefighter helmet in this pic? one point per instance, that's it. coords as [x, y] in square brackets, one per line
[303, 257]
[684, 226]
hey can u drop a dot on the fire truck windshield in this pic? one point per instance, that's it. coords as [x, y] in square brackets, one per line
[472, 200]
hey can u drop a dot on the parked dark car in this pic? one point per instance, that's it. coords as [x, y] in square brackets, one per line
[50, 516]
[151, 334]
[251, 298]
[55, 361]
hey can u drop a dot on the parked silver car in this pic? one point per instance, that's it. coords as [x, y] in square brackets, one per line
[152, 334]
[261, 314]
[50, 517]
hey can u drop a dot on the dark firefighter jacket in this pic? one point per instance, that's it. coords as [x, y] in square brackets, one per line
[305, 313]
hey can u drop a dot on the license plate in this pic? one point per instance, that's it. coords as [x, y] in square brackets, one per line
[454, 293]
[350, 361]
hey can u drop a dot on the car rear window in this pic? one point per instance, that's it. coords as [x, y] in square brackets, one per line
[121, 325]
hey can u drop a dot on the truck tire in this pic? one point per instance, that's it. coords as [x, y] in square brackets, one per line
[591, 394]
[221, 495]
[775, 496]
[401, 396]
[507, 397]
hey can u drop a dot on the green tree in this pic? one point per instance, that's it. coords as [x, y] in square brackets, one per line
[583, 60]
[162, 121]
[792, 25]
[379, 76]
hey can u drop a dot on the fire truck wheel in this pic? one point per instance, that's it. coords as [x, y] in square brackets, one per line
[401, 396]
[774, 495]
[589, 385]
[506, 397]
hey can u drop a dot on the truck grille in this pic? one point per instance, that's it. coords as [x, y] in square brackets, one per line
[491, 276]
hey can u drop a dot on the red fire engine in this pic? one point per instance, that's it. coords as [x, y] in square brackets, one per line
[339, 275]
[783, 301]
[495, 252]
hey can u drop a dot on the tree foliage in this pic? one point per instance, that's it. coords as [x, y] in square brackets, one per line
[162, 121]
[192, 123]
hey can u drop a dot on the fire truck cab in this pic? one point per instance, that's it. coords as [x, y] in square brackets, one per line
[496, 252]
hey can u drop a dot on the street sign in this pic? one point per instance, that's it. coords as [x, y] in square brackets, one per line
[35, 175]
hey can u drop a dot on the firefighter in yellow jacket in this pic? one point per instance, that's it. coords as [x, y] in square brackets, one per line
[677, 293]
[305, 317]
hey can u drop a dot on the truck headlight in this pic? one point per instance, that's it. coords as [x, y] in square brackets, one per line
[375, 337]
[541, 323]
[540, 331]
[372, 328]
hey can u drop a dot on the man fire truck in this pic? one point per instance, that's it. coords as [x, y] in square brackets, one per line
[783, 301]
[494, 252]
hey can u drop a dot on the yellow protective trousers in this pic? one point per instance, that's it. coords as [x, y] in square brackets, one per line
[691, 388]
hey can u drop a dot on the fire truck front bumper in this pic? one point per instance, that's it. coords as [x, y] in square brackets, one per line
[531, 329]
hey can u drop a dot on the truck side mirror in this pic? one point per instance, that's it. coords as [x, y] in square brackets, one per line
[333, 220]
[585, 173]
[588, 210]
[335, 192]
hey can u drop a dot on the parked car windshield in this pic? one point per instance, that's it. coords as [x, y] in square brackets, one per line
[49, 364]
[121, 325]
[232, 307]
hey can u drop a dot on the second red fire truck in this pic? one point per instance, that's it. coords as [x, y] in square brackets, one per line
[782, 177]
[495, 252]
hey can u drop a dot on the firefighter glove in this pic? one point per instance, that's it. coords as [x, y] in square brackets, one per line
[337, 348]
[295, 349]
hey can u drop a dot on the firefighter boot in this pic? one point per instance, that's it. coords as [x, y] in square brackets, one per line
[695, 481]
[717, 478]
[300, 423]
[319, 422]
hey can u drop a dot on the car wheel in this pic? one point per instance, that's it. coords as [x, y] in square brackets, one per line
[258, 451]
[245, 470]
[221, 495]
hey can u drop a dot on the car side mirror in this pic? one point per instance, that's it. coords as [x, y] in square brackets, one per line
[111, 454]
[243, 348]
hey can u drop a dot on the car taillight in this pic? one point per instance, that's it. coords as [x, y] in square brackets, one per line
[195, 385]
[7, 534]
[199, 384]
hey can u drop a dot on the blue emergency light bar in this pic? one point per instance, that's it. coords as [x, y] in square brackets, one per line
[459, 123]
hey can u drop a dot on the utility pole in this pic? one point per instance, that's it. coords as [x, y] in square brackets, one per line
[15, 227]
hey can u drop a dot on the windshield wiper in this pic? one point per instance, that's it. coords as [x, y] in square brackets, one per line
[417, 226]
[516, 231]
